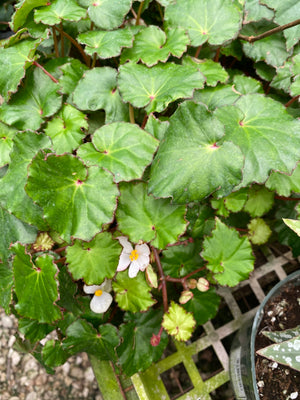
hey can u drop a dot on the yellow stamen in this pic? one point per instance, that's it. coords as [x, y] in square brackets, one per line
[134, 255]
[98, 292]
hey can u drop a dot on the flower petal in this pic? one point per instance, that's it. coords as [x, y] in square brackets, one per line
[90, 289]
[124, 261]
[133, 269]
[106, 285]
[143, 262]
[142, 249]
[100, 304]
[126, 245]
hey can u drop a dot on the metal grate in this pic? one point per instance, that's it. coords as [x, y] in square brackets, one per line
[198, 370]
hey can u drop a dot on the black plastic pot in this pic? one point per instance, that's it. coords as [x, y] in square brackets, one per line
[242, 354]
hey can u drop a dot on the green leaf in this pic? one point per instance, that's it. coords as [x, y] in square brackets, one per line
[204, 305]
[191, 150]
[254, 11]
[295, 86]
[201, 220]
[98, 90]
[132, 294]
[259, 231]
[33, 330]
[156, 87]
[23, 9]
[122, 148]
[77, 201]
[293, 224]
[271, 49]
[136, 352]
[107, 14]
[284, 184]
[81, 336]
[54, 354]
[267, 135]
[142, 217]
[246, 85]
[260, 201]
[36, 100]
[95, 260]
[229, 256]
[106, 44]
[12, 194]
[178, 261]
[221, 95]
[178, 322]
[282, 79]
[35, 286]
[215, 22]
[286, 12]
[152, 44]
[71, 73]
[236, 200]
[282, 336]
[6, 283]
[58, 11]
[67, 291]
[6, 143]
[13, 230]
[65, 129]
[156, 127]
[212, 71]
[14, 61]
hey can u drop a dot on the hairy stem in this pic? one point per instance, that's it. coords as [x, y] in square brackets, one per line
[198, 51]
[131, 114]
[46, 72]
[280, 28]
[144, 121]
[217, 56]
[290, 102]
[77, 45]
[162, 278]
[138, 17]
[55, 42]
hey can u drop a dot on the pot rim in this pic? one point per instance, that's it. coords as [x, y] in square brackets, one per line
[257, 319]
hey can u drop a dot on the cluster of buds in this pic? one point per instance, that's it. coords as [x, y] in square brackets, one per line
[201, 284]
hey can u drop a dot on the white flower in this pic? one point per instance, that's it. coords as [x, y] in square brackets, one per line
[137, 258]
[101, 299]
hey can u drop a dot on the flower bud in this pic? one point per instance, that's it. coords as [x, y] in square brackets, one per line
[192, 283]
[202, 285]
[151, 277]
[186, 295]
[43, 242]
[155, 340]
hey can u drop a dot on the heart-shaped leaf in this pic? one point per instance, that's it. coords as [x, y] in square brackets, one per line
[107, 14]
[35, 286]
[267, 135]
[122, 148]
[106, 44]
[13, 230]
[152, 45]
[190, 152]
[95, 260]
[132, 294]
[98, 90]
[229, 256]
[58, 11]
[203, 305]
[156, 87]
[36, 100]
[77, 201]
[178, 322]
[65, 129]
[136, 352]
[12, 193]
[81, 336]
[215, 22]
[142, 217]
[14, 61]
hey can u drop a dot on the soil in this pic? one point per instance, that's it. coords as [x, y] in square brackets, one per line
[275, 381]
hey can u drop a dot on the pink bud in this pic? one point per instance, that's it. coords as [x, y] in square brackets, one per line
[186, 296]
[192, 283]
[202, 285]
[155, 340]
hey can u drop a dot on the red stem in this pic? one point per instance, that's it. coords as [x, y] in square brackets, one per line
[46, 72]
[163, 279]
[287, 198]
[291, 101]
